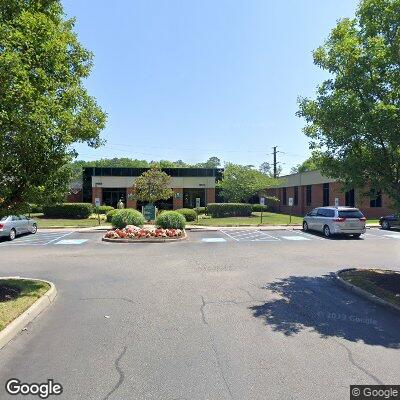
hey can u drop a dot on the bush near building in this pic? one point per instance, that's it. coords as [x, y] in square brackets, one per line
[110, 214]
[68, 210]
[103, 209]
[220, 210]
[259, 208]
[122, 218]
[200, 210]
[171, 220]
[188, 213]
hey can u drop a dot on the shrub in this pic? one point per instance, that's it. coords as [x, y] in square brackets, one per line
[68, 210]
[218, 210]
[259, 208]
[103, 209]
[188, 213]
[171, 219]
[110, 214]
[200, 210]
[122, 218]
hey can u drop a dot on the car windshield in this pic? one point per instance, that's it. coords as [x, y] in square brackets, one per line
[350, 214]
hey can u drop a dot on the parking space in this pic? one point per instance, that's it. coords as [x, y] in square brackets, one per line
[46, 238]
[279, 236]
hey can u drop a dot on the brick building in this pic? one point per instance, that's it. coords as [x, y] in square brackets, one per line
[311, 189]
[112, 184]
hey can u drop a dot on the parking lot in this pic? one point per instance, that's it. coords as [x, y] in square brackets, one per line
[227, 314]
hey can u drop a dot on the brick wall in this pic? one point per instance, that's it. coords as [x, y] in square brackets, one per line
[130, 203]
[97, 192]
[177, 201]
[210, 198]
[75, 197]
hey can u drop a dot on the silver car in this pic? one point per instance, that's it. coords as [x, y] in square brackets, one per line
[14, 225]
[335, 220]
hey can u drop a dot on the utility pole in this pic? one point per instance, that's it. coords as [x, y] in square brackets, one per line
[275, 169]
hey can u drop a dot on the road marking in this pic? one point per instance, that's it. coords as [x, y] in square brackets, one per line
[295, 238]
[58, 238]
[213, 240]
[250, 235]
[72, 241]
[393, 236]
[227, 234]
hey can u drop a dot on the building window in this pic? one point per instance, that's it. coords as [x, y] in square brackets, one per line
[308, 195]
[325, 194]
[190, 196]
[284, 198]
[349, 198]
[296, 196]
[111, 196]
[375, 198]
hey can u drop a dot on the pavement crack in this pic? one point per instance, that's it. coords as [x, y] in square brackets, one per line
[353, 362]
[120, 373]
[109, 298]
[203, 315]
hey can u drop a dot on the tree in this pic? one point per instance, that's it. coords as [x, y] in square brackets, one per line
[355, 119]
[311, 164]
[267, 169]
[240, 182]
[152, 185]
[44, 108]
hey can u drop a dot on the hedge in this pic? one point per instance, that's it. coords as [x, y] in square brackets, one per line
[259, 208]
[35, 209]
[188, 213]
[110, 214]
[171, 219]
[219, 210]
[68, 210]
[103, 209]
[200, 210]
[122, 218]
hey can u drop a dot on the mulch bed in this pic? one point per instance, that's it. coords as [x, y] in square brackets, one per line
[8, 293]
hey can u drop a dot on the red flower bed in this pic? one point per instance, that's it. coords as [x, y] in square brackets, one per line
[133, 232]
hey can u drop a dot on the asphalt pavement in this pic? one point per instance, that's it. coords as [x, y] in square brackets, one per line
[223, 315]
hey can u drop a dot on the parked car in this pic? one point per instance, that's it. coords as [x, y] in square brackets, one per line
[335, 220]
[13, 225]
[389, 221]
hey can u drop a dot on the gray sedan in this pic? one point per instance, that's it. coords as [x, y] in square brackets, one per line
[14, 225]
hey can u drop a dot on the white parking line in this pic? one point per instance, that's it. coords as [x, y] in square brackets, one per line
[250, 236]
[58, 238]
[213, 240]
[227, 234]
[295, 238]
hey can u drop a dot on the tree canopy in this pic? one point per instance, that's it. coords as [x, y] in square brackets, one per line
[240, 183]
[44, 107]
[354, 121]
[311, 164]
[152, 185]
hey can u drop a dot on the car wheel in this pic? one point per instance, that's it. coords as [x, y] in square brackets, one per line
[327, 231]
[357, 235]
[305, 226]
[385, 224]
[12, 234]
[34, 228]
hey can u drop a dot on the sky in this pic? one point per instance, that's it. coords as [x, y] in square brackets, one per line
[186, 79]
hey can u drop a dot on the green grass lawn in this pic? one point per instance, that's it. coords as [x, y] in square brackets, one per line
[43, 222]
[23, 294]
[268, 219]
[381, 283]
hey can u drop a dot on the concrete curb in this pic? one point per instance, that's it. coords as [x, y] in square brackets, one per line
[361, 292]
[163, 240]
[41, 304]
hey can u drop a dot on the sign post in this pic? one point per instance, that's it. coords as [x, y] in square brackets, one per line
[197, 208]
[262, 202]
[97, 205]
[336, 201]
[291, 209]
[149, 212]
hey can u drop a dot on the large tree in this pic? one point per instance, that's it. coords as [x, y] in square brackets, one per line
[152, 185]
[241, 182]
[44, 108]
[355, 119]
[311, 164]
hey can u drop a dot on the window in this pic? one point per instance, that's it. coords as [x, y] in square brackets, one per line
[350, 214]
[308, 195]
[296, 196]
[325, 194]
[313, 213]
[190, 195]
[323, 212]
[375, 198]
[349, 198]
[284, 198]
